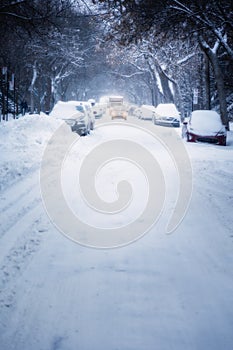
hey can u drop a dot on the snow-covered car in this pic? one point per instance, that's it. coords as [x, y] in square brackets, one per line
[166, 114]
[74, 114]
[206, 126]
[98, 110]
[137, 112]
[88, 108]
[146, 112]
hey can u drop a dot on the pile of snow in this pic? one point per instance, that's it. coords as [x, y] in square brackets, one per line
[205, 122]
[22, 143]
[167, 110]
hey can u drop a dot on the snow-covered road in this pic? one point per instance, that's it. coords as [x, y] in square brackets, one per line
[165, 292]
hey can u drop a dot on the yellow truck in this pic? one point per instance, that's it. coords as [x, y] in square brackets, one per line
[117, 109]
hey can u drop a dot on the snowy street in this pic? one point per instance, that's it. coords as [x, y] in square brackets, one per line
[163, 291]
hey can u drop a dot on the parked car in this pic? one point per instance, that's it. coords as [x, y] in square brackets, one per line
[206, 126]
[74, 114]
[146, 112]
[137, 112]
[98, 110]
[166, 114]
[88, 108]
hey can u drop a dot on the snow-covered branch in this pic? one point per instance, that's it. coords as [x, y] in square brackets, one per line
[186, 58]
[126, 75]
[11, 14]
[202, 17]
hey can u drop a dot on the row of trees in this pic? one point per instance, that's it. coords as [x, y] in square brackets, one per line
[154, 51]
[176, 38]
[45, 45]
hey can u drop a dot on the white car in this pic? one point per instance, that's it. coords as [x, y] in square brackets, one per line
[146, 112]
[206, 126]
[98, 110]
[88, 109]
[74, 114]
[166, 114]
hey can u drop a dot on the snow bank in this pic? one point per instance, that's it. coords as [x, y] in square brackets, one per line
[22, 143]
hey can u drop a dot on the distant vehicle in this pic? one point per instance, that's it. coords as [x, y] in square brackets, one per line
[132, 110]
[137, 112]
[206, 126]
[166, 114]
[75, 114]
[117, 109]
[98, 110]
[92, 101]
[146, 112]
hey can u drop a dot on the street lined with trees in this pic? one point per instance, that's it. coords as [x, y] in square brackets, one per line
[163, 51]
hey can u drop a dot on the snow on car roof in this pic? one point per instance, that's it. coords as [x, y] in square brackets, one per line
[65, 110]
[152, 108]
[206, 121]
[167, 109]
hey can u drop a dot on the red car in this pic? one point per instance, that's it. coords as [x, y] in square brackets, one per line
[206, 126]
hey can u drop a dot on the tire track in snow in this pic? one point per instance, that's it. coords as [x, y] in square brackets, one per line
[16, 253]
[21, 232]
[17, 200]
[14, 195]
[215, 190]
[13, 216]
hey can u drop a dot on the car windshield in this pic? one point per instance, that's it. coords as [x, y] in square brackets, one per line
[80, 108]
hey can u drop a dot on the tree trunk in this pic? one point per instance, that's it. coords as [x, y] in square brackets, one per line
[220, 88]
[47, 102]
[206, 82]
[32, 88]
[213, 58]
[54, 91]
[168, 96]
[178, 100]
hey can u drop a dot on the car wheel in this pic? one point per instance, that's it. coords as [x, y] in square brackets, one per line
[85, 132]
[223, 143]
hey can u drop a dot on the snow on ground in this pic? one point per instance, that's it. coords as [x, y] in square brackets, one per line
[22, 144]
[166, 292]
